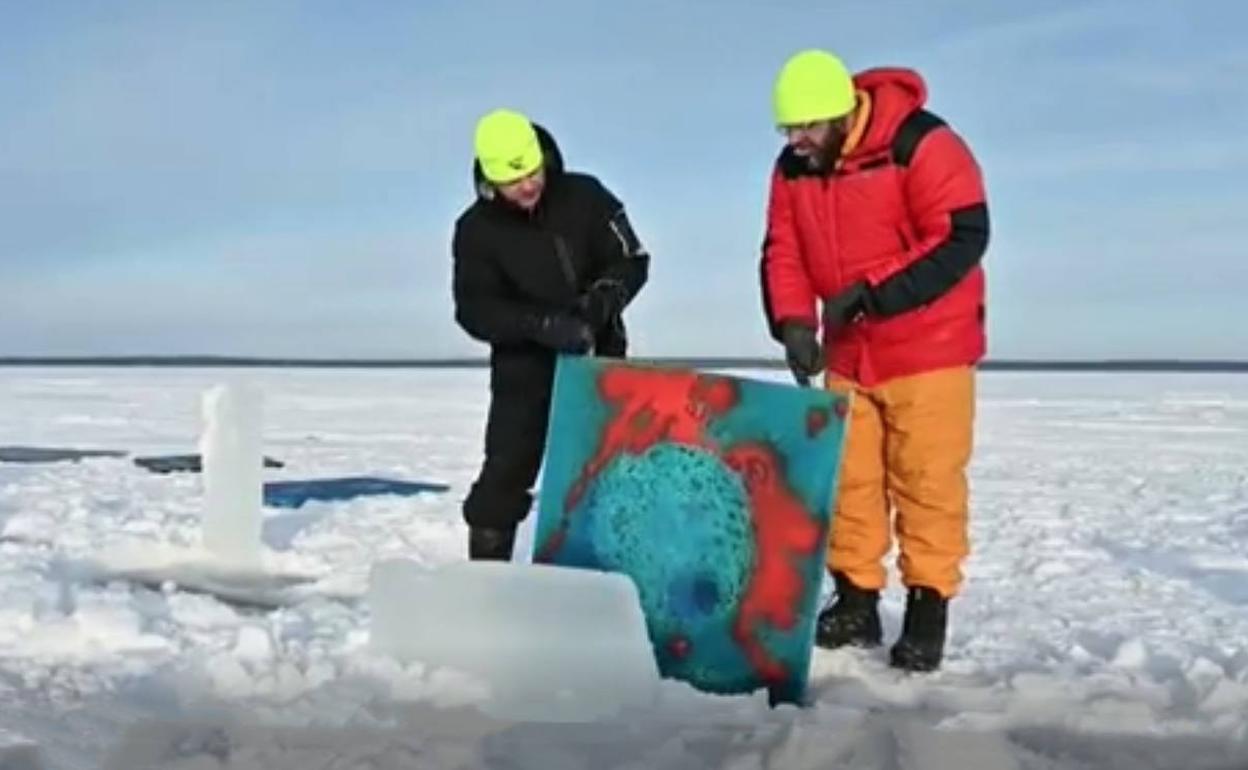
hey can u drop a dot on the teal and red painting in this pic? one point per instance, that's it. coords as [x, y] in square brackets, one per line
[714, 494]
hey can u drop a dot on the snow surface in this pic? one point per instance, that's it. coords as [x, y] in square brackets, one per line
[1104, 623]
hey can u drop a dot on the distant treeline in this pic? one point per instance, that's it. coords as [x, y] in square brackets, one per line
[186, 362]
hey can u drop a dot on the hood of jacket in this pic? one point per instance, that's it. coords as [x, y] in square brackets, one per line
[895, 93]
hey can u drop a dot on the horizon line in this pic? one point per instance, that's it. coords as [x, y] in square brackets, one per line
[719, 362]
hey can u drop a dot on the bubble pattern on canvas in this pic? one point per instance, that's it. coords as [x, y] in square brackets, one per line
[678, 520]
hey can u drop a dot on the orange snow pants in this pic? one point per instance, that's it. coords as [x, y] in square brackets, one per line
[907, 450]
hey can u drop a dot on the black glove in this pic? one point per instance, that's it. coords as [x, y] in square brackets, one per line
[802, 351]
[562, 333]
[604, 301]
[843, 309]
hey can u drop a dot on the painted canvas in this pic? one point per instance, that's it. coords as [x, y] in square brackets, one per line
[712, 492]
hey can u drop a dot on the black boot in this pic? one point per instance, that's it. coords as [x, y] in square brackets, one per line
[495, 544]
[922, 642]
[852, 620]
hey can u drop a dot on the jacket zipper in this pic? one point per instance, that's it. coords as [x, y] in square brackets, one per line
[565, 261]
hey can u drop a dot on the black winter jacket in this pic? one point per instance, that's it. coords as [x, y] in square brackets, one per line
[512, 268]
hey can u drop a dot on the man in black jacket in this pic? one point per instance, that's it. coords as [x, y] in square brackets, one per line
[545, 263]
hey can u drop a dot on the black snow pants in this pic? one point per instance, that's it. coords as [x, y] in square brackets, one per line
[515, 439]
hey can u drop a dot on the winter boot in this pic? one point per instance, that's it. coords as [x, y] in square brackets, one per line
[490, 544]
[852, 620]
[922, 642]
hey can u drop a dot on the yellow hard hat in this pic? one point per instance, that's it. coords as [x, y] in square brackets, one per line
[506, 146]
[813, 85]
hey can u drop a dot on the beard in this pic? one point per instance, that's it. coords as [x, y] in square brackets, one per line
[823, 156]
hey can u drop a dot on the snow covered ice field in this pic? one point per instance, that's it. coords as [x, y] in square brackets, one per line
[1104, 622]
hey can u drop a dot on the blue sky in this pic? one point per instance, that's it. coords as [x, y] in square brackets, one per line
[280, 178]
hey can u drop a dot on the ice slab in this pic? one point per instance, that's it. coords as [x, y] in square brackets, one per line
[551, 644]
[265, 585]
[233, 465]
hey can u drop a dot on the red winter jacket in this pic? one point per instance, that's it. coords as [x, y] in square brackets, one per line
[904, 211]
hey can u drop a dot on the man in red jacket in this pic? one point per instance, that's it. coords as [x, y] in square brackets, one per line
[876, 227]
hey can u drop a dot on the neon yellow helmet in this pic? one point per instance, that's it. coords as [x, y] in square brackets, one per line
[813, 85]
[506, 146]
